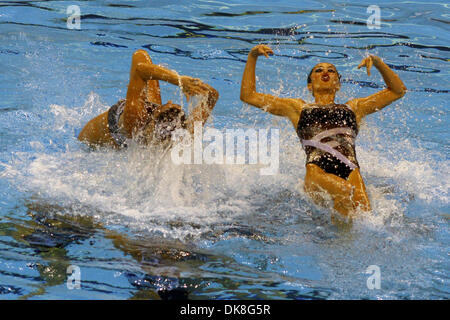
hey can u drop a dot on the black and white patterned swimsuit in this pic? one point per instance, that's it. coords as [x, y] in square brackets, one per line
[328, 136]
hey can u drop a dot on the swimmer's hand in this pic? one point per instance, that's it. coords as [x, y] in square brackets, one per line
[193, 87]
[368, 62]
[261, 49]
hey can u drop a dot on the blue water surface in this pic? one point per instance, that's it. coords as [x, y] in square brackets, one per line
[140, 227]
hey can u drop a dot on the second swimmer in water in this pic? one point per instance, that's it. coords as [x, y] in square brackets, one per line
[142, 116]
[327, 130]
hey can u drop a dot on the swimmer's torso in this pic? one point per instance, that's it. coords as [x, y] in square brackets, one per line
[146, 135]
[328, 136]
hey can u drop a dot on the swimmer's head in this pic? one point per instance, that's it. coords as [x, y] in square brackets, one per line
[324, 77]
[168, 118]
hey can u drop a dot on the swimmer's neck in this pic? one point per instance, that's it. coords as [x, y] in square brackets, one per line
[324, 98]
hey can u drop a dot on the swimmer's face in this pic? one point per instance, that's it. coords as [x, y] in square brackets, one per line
[324, 76]
[169, 121]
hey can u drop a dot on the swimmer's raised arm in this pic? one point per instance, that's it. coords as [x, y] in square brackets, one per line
[395, 89]
[286, 107]
[189, 85]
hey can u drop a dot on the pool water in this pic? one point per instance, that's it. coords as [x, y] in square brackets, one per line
[140, 227]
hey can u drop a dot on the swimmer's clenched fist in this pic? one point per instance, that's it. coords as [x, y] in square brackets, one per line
[376, 61]
[261, 50]
[368, 63]
[193, 87]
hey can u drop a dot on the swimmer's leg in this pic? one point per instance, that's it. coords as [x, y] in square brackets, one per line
[360, 197]
[96, 132]
[135, 114]
[153, 89]
[339, 189]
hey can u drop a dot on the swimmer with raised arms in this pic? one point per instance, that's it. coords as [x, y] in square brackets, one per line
[327, 130]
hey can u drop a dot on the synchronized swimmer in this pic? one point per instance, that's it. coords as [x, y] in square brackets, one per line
[142, 116]
[327, 130]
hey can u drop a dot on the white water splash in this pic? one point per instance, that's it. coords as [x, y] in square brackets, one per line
[186, 201]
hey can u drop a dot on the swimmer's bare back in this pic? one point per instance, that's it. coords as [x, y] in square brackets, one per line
[143, 88]
[323, 82]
